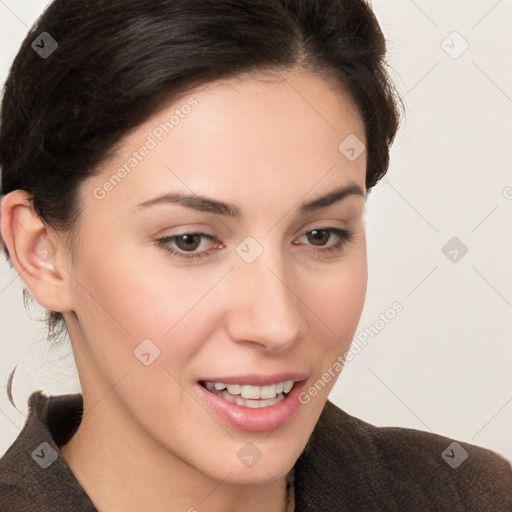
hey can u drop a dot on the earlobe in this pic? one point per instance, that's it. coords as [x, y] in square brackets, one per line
[34, 256]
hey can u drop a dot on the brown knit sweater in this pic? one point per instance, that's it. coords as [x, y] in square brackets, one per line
[347, 465]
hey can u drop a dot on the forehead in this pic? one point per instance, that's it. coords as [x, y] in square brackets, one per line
[245, 136]
[278, 99]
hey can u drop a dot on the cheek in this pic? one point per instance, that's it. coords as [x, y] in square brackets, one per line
[338, 305]
[338, 297]
[119, 284]
[127, 297]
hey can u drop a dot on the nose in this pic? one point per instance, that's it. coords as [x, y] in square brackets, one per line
[266, 306]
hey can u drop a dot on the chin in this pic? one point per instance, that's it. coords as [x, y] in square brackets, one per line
[242, 461]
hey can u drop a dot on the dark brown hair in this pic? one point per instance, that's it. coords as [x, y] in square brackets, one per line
[119, 61]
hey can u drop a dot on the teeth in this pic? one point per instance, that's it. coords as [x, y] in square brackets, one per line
[250, 396]
[288, 385]
[268, 391]
[234, 389]
[253, 392]
[252, 404]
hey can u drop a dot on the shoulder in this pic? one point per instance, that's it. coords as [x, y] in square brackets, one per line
[466, 472]
[412, 466]
[19, 485]
[33, 475]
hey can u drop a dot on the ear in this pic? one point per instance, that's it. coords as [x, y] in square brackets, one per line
[35, 252]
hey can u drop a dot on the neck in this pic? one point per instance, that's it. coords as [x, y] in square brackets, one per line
[120, 469]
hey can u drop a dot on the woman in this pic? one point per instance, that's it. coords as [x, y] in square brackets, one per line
[185, 184]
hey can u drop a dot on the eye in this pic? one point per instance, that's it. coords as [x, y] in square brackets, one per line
[190, 242]
[321, 235]
[185, 242]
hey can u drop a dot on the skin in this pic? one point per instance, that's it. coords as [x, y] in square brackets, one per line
[267, 145]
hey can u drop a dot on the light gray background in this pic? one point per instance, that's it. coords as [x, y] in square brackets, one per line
[443, 363]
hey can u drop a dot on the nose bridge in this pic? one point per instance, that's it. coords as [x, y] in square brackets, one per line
[266, 309]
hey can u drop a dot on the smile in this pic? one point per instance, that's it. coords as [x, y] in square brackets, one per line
[253, 403]
[254, 397]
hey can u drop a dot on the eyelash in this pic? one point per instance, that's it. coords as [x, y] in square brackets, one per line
[344, 235]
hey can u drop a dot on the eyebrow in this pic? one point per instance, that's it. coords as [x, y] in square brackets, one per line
[209, 205]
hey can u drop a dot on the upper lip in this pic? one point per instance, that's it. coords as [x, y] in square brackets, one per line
[257, 380]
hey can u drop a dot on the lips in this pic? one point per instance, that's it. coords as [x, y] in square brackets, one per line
[253, 403]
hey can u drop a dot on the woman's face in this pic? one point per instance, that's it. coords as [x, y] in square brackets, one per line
[173, 301]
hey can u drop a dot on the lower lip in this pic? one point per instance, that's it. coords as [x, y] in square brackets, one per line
[263, 419]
